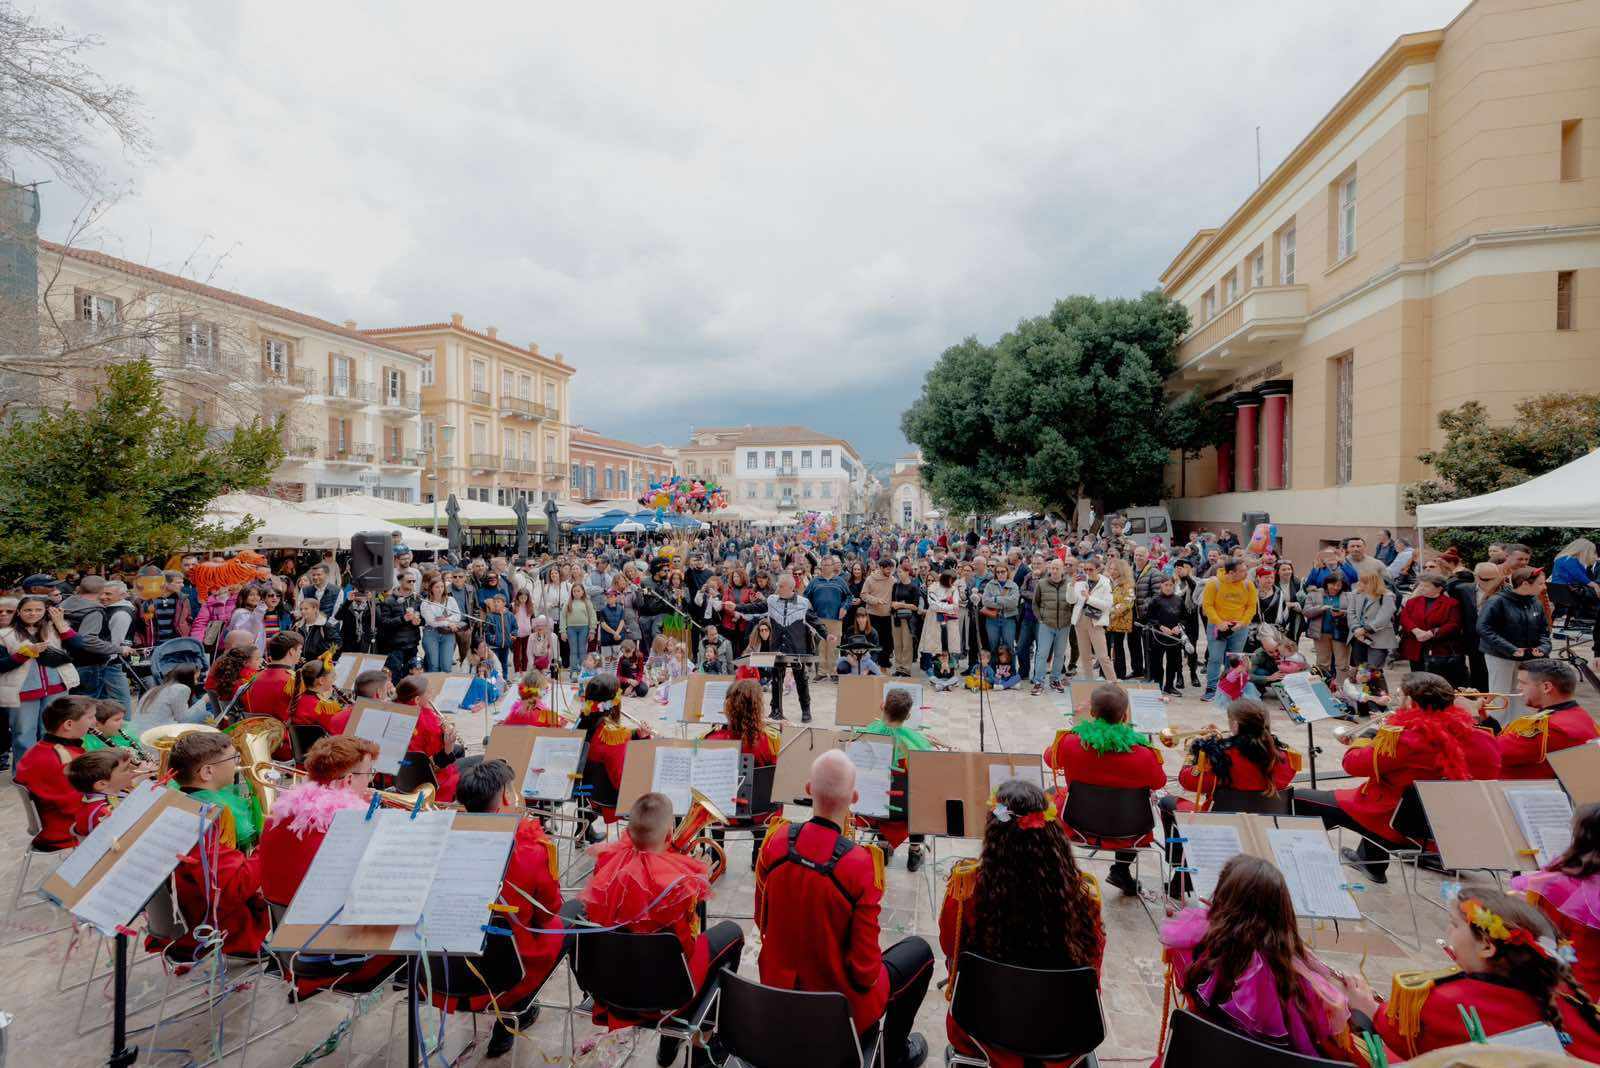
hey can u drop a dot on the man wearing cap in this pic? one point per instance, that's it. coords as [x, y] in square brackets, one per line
[42, 586]
[403, 566]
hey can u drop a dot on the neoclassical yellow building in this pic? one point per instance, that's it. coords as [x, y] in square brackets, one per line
[1434, 239]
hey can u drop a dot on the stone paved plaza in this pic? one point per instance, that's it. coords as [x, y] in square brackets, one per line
[45, 1028]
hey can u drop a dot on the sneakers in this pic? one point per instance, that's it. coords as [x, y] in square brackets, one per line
[1036, 691]
[1356, 860]
[914, 858]
[1058, 686]
[915, 1052]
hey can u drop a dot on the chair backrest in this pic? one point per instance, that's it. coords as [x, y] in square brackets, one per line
[770, 1028]
[302, 736]
[500, 968]
[30, 809]
[639, 973]
[1109, 811]
[1050, 1015]
[1224, 799]
[161, 916]
[416, 771]
[1410, 819]
[1195, 1042]
[760, 793]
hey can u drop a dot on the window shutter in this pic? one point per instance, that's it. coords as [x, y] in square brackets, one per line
[333, 434]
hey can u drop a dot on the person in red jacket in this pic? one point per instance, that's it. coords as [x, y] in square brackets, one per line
[433, 737]
[43, 770]
[1429, 737]
[273, 690]
[1105, 750]
[532, 887]
[742, 708]
[1430, 629]
[222, 891]
[1567, 891]
[103, 778]
[1508, 969]
[1556, 722]
[818, 896]
[1022, 902]
[600, 720]
[317, 706]
[645, 887]
[338, 776]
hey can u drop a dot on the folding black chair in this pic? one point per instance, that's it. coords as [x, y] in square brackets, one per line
[1195, 1042]
[456, 985]
[1102, 818]
[642, 976]
[302, 736]
[1572, 610]
[1032, 1013]
[416, 771]
[765, 1027]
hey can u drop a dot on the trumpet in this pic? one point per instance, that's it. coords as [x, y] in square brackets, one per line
[688, 837]
[1170, 738]
[1489, 703]
[1347, 733]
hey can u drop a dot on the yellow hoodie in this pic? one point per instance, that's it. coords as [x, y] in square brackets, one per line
[1228, 602]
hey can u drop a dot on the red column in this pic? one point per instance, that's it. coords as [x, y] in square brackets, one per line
[1225, 468]
[1244, 443]
[1273, 409]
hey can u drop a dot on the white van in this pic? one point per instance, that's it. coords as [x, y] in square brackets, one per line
[1142, 524]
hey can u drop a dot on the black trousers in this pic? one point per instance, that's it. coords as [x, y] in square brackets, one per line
[802, 687]
[725, 943]
[909, 963]
[883, 627]
[1138, 651]
[1166, 664]
[1323, 805]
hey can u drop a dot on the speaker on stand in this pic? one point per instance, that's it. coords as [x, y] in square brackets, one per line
[372, 561]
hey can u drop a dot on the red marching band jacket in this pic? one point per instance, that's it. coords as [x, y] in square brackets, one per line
[1221, 766]
[1423, 1012]
[43, 771]
[608, 749]
[1139, 767]
[1413, 745]
[311, 710]
[765, 749]
[532, 886]
[428, 739]
[819, 921]
[1526, 741]
[222, 891]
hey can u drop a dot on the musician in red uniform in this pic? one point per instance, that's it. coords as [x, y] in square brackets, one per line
[43, 770]
[1429, 737]
[317, 706]
[224, 890]
[641, 884]
[338, 776]
[273, 690]
[433, 737]
[818, 895]
[747, 724]
[532, 886]
[103, 778]
[1508, 968]
[1023, 902]
[601, 723]
[1567, 891]
[1105, 750]
[1556, 720]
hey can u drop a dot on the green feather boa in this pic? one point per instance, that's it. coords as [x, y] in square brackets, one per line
[1105, 737]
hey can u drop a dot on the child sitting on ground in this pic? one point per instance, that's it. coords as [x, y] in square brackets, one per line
[982, 675]
[531, 709]
[630, 670]
[944, 676]
[1006, 676]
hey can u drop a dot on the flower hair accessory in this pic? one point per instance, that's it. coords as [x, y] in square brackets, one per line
[1035, 820]
[1480, 916]
[998, 810]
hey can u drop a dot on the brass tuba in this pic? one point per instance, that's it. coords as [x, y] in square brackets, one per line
[688, 839]
[160, 740]
[256, 737]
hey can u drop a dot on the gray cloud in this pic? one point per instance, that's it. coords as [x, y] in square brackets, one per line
[718, 212]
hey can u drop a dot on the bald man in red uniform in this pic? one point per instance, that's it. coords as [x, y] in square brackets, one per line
[818, 896]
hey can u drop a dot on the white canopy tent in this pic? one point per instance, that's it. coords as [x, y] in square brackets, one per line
[319, 530]
[1569, 496]
[362, 504]
[1012, 517]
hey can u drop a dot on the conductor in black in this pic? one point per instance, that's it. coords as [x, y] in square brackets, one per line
[790, 615]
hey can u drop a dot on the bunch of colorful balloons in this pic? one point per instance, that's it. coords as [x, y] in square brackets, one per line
[684, 496]
[815, 526]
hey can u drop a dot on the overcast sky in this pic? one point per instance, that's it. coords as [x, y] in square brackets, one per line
[720, 213]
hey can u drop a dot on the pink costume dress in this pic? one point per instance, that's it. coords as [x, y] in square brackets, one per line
[1573, 905]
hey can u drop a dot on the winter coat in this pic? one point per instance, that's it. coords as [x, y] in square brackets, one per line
[1509, 621]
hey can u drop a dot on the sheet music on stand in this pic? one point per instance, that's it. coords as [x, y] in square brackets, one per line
[389, 730]
[327, 880]
[1543, 814]
[1305, 701]
[1312, 871]
[80, 861]
[873, 761]
[553, 768]
[1147, 711]
[917, 693]
[455, 908]
[1002, 773]
[396, 873]
[453, 692]
[1207, 847]
[711, 701]
[714, 772]
[138, 873]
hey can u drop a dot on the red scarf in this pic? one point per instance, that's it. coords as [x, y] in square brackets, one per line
[1445, 732]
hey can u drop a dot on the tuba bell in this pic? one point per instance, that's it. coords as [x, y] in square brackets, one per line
[688, 839]
[256, 737]
[160, 740]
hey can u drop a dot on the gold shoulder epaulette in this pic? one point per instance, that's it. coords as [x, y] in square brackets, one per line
[775, 736]
[1387, 743]
[1529, 726]
[554, 861]
[1091, 884]
[615, 734]
[963, 880]
[1407, 996]
[877, 864]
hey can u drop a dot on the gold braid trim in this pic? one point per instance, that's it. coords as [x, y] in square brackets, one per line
[877, 864]
[1407, 995]
[1091, 884]
[614, 733]
[1387, 743]
[962, 885]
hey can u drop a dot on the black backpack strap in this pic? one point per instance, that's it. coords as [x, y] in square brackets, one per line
[841, 848]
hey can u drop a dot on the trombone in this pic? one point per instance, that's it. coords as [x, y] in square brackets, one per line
[1488, 703]
[1348, 733]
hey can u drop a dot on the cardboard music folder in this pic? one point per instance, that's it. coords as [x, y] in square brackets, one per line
[361, 938]
[948, 793]
[796, 757]
[348, 666]
[860, 700]
[1081, 690]
[1473, 824]
[694, 697]
[639, 767]
[67, 895]
[1578, 769]
[362, 719]
[515, 746]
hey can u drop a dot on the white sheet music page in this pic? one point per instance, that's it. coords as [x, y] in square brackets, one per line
[1316, 879]
[1208, 848]
[1553, 842]
[711, 702]
[715, 773]
[1538, 1038]
[1303, 696]
[873, 761]
[675, 695]
[1541, 810]
[468, 880]
[391, 732]
[1147, 711]
[392, 882]
[672, 775]
[918, 696]
[327, 881]
[121, 820]
[999, 773]
[143, 866]
[453, 692]
[552, 767]
[507, 702]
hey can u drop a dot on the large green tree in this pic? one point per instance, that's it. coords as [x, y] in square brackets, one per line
[1066, 406]
[1477, 457]
[125, 475]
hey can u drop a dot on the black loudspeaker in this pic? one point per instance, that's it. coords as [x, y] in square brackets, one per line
[372, 561]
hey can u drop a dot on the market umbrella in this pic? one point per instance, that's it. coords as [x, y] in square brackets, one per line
[521, 508]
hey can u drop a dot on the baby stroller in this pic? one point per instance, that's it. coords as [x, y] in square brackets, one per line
[175, 652]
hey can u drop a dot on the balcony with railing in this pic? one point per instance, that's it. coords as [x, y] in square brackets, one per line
[396, 400]
[299, 450]
[787, 471]
[348, 392]
[484, 461]
[481, 397]
[359, 452]
[555, 469]
[291, 380]
[1254, 325]
[516, 407]
[402, 458]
